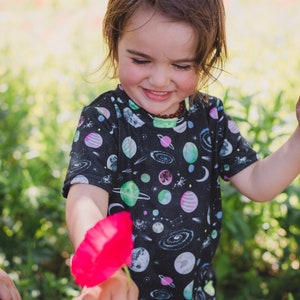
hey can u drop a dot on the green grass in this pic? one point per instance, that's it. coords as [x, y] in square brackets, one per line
[47, 51]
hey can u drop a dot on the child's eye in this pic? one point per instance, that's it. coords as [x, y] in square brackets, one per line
[183, 67]
[140, 61]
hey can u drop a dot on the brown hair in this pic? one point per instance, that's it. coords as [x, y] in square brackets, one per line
[207, 18]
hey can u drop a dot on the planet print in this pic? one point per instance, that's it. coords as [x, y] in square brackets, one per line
[190, 152]
[189, 201]
[155, 212]
[79, 179]
[214, 234]
[158, 227]
[93, 140]
[104, 112]
[190, 124]
[76, 136]
[214, 113]
[165, 141]
[130, 193]
[233, 127]
[165, 177]
[164, 197]
[140, 259]
[101, 118]
[184, 263]
[166, 281]
[129, 147]
[226, 149]
[111, 163]
[145, 178]
[81, 121]
[219, 215]
[191, 168]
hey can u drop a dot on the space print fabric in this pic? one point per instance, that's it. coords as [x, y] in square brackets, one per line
[166, 173]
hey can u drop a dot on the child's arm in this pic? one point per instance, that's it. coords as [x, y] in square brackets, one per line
[265, 179]
[8, 290]
[86, 205]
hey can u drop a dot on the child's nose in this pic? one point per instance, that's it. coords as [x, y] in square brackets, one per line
[159, 77]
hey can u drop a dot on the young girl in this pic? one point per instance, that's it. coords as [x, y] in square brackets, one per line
[157, 148]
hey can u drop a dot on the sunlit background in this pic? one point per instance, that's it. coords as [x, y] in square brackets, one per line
[49, 53]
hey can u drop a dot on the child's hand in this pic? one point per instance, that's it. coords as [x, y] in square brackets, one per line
[8, 290]
[298, 111]
[117, 287]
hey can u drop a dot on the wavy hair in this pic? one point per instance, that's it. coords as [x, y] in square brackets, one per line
[206, 17]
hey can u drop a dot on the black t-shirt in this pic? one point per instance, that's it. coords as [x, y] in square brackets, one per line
[166, 172]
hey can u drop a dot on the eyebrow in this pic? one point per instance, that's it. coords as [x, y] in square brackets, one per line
[141, 54]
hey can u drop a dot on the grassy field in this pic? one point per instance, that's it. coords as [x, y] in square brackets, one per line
[48, 51]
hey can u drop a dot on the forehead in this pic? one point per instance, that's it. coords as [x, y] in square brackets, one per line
[149, 29]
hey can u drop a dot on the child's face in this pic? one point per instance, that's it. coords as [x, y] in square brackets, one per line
[156, 62]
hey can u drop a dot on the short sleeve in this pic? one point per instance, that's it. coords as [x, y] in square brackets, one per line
[93, 156]
[235, 153]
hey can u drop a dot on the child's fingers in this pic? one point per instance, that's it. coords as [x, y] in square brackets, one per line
[88, 294]
[133, 291]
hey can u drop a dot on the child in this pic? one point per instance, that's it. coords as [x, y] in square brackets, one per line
[157, 147]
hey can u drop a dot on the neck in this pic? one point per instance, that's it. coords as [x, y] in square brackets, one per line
[176, 114]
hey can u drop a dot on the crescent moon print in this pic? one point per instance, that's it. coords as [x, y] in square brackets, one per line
[113, 205]
[206, 175]
[160, 170]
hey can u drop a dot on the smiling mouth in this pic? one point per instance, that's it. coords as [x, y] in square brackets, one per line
[158, 92]
[157, 95]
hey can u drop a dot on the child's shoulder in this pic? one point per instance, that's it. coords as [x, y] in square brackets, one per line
[108, 98]
[207, 102]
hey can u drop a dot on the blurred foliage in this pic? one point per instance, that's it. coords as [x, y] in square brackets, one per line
[44, 61]
[259, 255]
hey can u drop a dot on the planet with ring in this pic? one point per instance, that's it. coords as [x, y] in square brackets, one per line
[166, 281]
[130, 193]
[165, 141]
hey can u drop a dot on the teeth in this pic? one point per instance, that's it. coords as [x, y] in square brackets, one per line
[159, 93]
